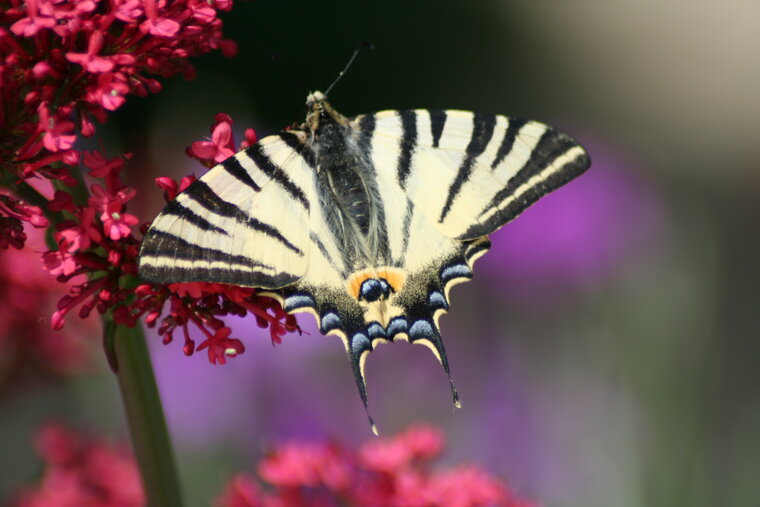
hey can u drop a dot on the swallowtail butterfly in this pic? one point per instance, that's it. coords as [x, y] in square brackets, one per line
[365, 222]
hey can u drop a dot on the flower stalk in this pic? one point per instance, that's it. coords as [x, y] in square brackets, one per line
[145, 416]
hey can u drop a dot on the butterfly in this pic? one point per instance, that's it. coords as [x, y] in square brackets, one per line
[365, 222]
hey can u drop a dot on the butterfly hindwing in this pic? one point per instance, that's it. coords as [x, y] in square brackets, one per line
[414, 303]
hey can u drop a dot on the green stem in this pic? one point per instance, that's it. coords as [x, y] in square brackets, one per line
[127, 353]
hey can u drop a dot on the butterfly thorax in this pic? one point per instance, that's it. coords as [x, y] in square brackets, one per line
[349, 192]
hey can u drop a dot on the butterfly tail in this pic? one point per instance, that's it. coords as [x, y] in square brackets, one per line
[358, 350]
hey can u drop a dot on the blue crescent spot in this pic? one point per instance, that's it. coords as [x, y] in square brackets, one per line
[421, 329]
[455, 271]
[298, 301]
[437, 300]
[397, 325]
[330, 321]
[359, 343]
[375, 330]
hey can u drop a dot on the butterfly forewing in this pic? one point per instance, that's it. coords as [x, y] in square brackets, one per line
[239, 223]
[471, 173]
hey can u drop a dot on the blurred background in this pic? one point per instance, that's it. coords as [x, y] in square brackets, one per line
[607, 350]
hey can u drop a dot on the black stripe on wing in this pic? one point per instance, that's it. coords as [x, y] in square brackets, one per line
[160, 251]
[164, 245]
[175, 208]
[341, 268]
[438, 119]
[272, 232]
[204, 195]
[407, 145]
[367, 125]
[240, 277]
[482, 131]
[265, 165]
[510, 134]
[405, 228]
[235, 169]
[306, 153]
[551, 146]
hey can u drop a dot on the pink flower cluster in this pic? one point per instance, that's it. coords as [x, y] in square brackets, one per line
[65, 65]
[386, 472]
[392, 472]
[81, 471]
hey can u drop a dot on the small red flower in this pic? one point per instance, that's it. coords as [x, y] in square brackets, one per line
[39, 18]
[155, 25]
[80, 235]
[203, 13]
[129, 11]
[116, 224]
[90, 60]
[219, 147]
[220, 346]
[250, 139]
[102, 167]
[57, 133]
[60, 262]
[110, 91]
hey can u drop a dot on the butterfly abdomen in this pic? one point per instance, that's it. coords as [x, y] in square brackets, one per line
[352, 198]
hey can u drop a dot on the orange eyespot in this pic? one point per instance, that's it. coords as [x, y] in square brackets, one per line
[354, 282]
[394, 276]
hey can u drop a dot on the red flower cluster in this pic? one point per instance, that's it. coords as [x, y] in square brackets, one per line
[392, 472]
[65, 64]
[82, 472]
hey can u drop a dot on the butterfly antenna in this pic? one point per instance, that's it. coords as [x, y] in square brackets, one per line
[363, 45]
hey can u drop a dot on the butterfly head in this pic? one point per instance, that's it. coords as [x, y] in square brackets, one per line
[314, 98]
[320, 111]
